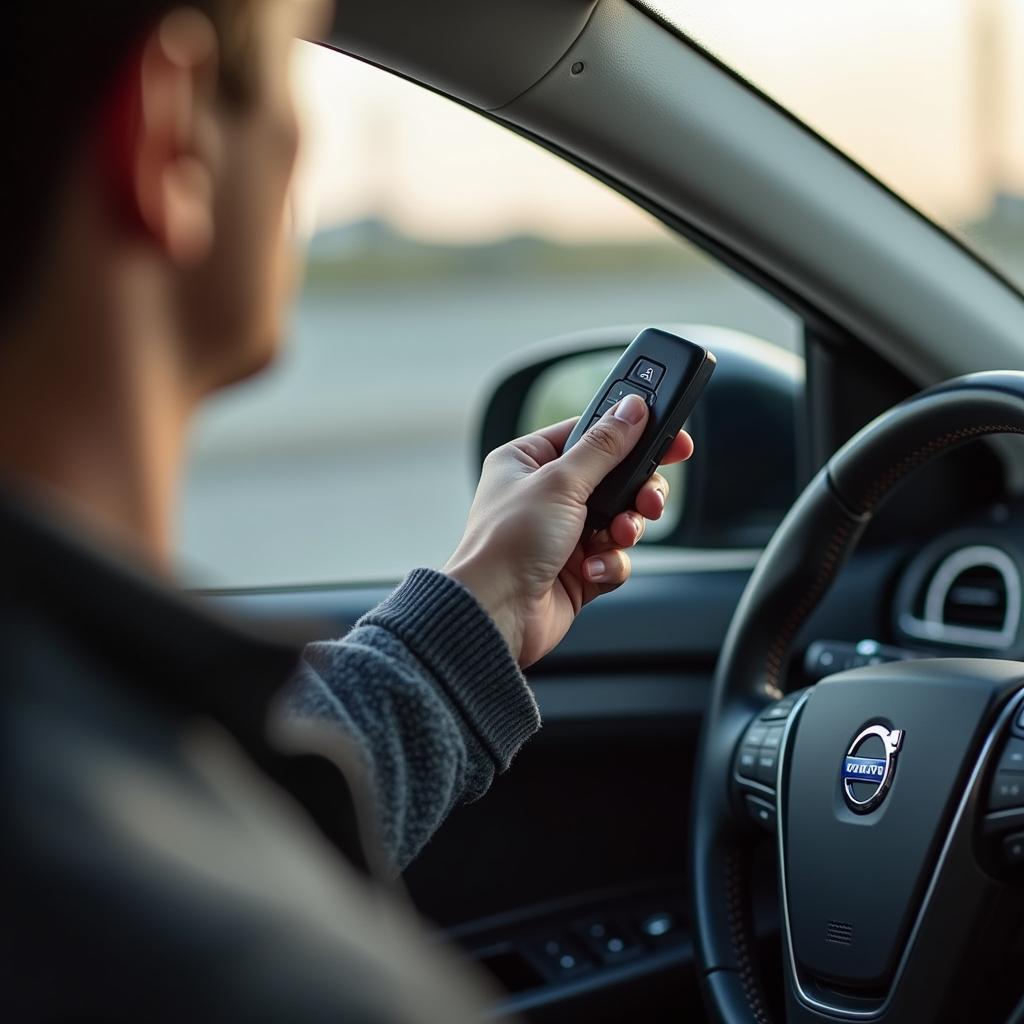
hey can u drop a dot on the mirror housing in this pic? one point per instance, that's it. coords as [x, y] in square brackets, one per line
[746, 470]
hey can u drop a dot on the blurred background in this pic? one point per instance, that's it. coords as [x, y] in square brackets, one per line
[441, 246]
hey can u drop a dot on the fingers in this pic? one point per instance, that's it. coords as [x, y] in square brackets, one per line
[680, 449]
[558, 433]
[652, 497]
[603, 446]
[626, 529]
[609, 569]
[545, 445]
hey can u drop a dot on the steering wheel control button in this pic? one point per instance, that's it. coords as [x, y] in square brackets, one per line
[780, 709]
[746, 761]
[1013, 757]
[757, 758]
[647, 373]
[1013, 850]
[767, 762]
[755, 734]
[760, 812]
[1007, 791]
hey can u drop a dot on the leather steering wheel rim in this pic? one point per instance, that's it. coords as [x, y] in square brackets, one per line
[795, 571]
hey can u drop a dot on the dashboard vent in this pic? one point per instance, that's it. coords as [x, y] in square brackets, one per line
[976, 599]
[972, 600]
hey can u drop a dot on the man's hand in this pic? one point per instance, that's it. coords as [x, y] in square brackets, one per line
[525, 555]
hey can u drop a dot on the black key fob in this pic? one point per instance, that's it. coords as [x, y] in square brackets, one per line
[669, 374]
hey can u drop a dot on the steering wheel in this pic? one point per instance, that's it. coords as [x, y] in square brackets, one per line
[889, 789]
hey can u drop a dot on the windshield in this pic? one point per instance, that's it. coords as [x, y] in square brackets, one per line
[928, 95]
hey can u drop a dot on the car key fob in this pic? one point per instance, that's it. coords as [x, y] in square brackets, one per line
[669, 374]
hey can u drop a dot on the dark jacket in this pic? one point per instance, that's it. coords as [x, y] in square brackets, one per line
[174, 848]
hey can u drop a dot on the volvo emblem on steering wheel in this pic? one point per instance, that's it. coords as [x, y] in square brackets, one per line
[869, 766]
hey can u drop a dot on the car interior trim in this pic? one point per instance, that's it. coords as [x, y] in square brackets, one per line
[487, 51]
[597, 696]
[652, 560]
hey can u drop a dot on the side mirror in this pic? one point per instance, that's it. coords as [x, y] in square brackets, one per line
[744, 474]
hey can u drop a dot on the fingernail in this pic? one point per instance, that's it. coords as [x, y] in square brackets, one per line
[595, 568]
[630, 409]
[661, 495]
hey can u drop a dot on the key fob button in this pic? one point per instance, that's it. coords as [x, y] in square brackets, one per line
[647, 373]
[663, 449]
[620, 389]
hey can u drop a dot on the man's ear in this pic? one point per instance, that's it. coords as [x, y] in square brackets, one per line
[161, 146]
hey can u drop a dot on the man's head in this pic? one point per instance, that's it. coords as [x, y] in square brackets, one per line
[149, 148]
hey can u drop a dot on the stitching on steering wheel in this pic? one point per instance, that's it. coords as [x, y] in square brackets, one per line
[739, 933]
[883, 484]
[775, 661]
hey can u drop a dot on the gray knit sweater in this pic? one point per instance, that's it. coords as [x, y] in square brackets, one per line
[428, 692]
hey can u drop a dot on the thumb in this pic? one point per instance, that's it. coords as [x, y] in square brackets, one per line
[606, 443]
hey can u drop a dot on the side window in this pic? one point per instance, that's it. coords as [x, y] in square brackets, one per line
[441, 245]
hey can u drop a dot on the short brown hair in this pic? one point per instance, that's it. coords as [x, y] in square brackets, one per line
[57, 61]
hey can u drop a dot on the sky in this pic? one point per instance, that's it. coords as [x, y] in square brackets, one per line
[927, 94]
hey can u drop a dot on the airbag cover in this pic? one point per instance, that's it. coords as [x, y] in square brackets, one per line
[854, 880]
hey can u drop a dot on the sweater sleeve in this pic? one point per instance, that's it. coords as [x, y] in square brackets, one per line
[428, 692]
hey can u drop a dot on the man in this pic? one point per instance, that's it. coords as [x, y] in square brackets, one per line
[181, 844]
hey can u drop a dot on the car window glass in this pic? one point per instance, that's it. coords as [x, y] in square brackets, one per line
[442, 245]
[928, 95]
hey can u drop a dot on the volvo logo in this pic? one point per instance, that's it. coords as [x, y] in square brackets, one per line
[869, 766]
